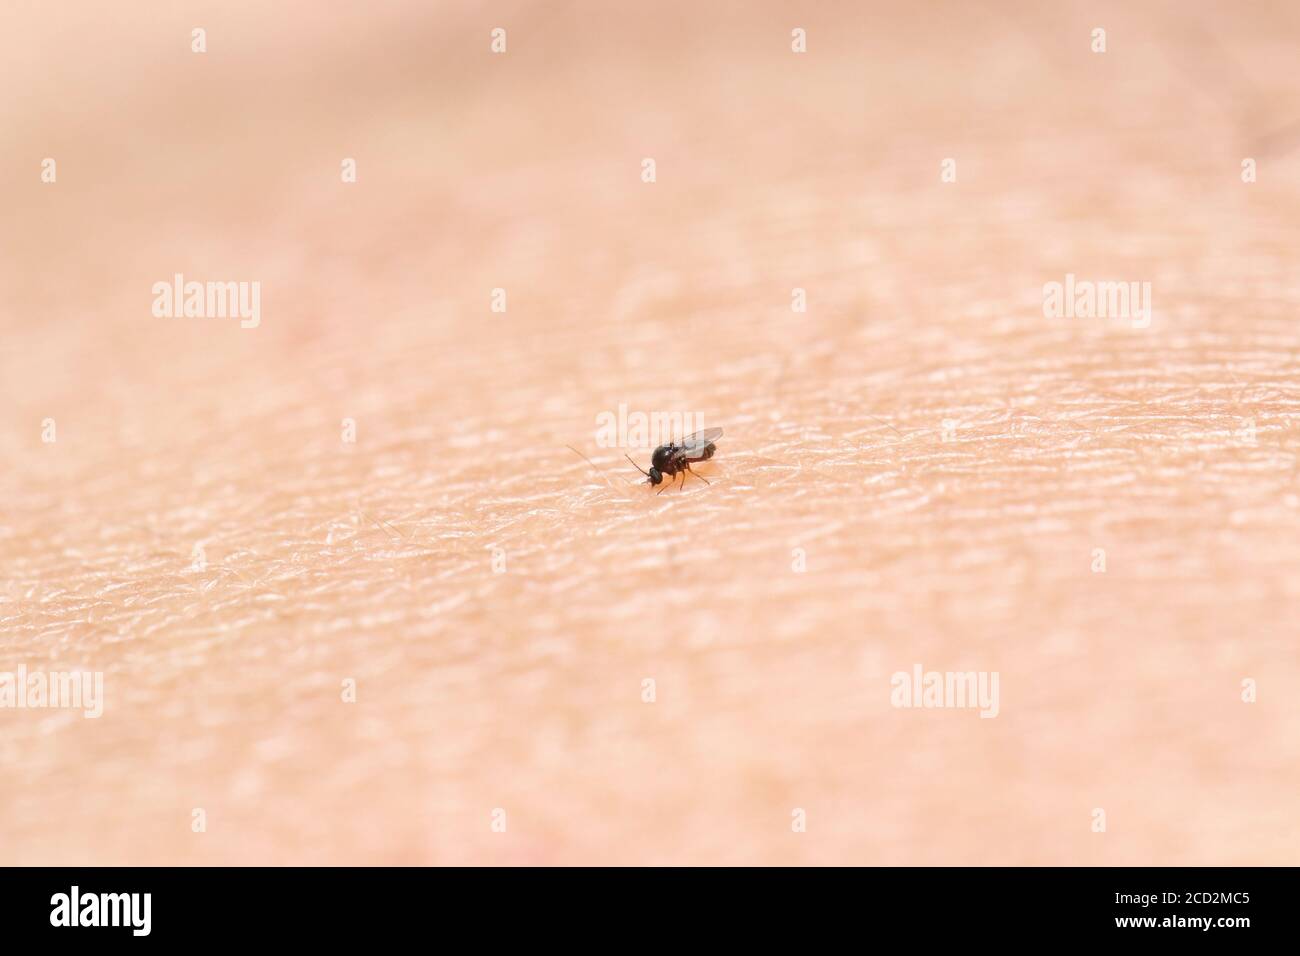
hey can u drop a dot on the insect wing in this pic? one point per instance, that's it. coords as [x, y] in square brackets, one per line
[693, 445]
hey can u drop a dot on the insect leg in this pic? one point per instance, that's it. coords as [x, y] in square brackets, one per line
[697, 475]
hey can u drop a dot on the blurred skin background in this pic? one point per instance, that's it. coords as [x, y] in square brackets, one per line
[945, 459]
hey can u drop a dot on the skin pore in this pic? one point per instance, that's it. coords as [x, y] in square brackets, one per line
[354, 601]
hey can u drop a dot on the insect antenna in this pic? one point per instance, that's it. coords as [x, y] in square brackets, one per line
[603, 476]
[637, 467]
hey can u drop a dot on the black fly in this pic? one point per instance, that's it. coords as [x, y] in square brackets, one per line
[677, 457]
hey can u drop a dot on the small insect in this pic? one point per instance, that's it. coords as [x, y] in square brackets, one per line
[676, 458]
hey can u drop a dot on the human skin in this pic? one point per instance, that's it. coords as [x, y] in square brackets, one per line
[942, 459]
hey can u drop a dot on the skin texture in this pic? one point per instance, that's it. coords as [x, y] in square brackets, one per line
[962, 546]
